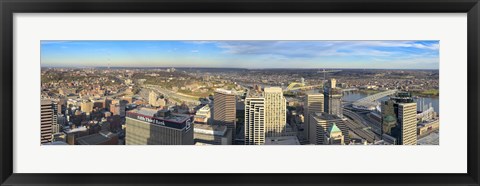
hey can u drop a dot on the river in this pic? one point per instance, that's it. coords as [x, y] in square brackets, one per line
[356, 95]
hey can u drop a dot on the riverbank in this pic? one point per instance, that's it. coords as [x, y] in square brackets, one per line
[433, 93]
[427, 93]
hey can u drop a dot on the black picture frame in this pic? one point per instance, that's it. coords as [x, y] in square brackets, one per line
[9, 7]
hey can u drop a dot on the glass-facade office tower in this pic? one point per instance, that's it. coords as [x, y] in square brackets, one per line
[333, 99]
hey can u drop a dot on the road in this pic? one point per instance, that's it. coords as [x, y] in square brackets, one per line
[191, 100]
[376, 126]
[359, 126]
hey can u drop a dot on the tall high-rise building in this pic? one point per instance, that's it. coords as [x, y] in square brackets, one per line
[333, 98]
[313, 103]
[332, 83]
[399, 119]
[56, 112]
[254, 120]
[319, 125]
[224, 109]
[407, 114]
[123, 107]
[275, 112]
[46, 121]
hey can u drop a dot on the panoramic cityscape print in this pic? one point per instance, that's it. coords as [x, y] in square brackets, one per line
[239, 92]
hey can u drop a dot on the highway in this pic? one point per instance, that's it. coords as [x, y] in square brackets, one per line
[170, 94]
[364, 119]
[359, 126]
[376, 126]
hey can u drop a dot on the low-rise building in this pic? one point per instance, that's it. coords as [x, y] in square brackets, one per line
[282, 140]
[101, 138]
[212, 134]
[425, 128]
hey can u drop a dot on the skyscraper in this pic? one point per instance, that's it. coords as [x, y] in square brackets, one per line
[123, 107]
[407, 114]
[56, 111]
[254, 120]
[333, 99]
[275, 112]
[224, 109]
[332, 83]
[399, 119]
[46, 121]
[152, 127]
[313, 103]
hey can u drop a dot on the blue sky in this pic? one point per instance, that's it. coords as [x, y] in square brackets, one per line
[243, 54]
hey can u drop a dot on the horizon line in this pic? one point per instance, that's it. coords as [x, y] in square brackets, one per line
[299, 68]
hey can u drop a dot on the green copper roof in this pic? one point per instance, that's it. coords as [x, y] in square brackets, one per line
[389, 118]
[333, 128]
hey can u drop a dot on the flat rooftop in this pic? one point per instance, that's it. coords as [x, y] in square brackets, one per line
[223, 91]
[431, 139]
[200, 143]
[46, 102]
[282, 140]
[78, 129]
[95, 139]
[217, 130]
[325, 116]
[205, 108]
[147, 112]
[56, 143]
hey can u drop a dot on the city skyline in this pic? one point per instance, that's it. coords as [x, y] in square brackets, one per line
[239, 93]
[243, 54]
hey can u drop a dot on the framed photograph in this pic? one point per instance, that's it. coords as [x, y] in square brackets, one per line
[203, 92]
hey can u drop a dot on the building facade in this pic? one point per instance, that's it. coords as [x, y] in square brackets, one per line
[152, 98]
[203, 115]
[407, 114]
[334, 135]
[319, 125]
[313, 103]
[145, 128]
[333, 101]
[46, 121]
[86, 106]
[224, 109]
[254, 121]
[399, 119]
[275, 112]
[212, 134]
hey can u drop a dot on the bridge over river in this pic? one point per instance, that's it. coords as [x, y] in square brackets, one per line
[370, 102]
